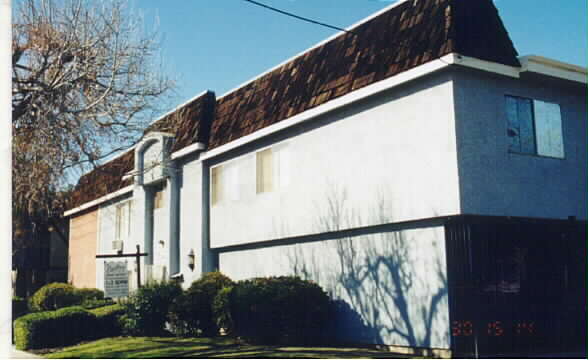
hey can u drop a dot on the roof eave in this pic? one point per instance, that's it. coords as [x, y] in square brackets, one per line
[553, 68]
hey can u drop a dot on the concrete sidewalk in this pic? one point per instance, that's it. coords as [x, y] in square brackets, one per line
[17, 354]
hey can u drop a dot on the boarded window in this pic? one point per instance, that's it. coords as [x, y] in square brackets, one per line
[264, 182]
[548, 129]
[534, 127]
[216, 183]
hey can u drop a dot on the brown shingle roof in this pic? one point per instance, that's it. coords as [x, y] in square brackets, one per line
[103, 180]
[408, 35]
[190, 124]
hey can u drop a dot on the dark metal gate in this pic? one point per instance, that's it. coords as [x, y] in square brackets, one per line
[516, 286]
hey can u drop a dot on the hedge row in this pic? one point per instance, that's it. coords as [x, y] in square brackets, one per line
[65, 326]
[59, 295]
[146, 310]
[276, 310]
[283, 310]
[191, 314]
[19, 307]
[107, 320]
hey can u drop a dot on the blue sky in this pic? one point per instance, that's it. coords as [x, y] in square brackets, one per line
[219, 44]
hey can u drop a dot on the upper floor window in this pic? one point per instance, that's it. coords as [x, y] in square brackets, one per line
[534, 127]
[265, 171]
[273, 169]
[123, 221]
[215, 182]
[158, 200]
[225, 181]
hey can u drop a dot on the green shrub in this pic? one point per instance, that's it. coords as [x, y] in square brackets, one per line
[107, 320]
[65, 326]
[146, 311]
[191, 314]
[89, 294]
[221, 309]
[54, 296]
[283, 310]
[19, 307]
[93, 303]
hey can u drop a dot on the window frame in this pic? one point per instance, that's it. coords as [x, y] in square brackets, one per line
[118, 231]
[264, 180]
[216, 186]
[533, 115]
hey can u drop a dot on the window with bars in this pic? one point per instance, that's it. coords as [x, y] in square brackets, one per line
[534, 127]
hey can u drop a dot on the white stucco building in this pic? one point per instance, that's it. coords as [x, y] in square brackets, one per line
[416, 167]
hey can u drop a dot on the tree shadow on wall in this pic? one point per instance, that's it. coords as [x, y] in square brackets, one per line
[389, 286]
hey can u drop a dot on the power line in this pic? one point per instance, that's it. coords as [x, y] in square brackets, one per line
[324, 24]
[299, 17]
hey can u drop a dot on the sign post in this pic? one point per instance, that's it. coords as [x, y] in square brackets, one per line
[113, 272]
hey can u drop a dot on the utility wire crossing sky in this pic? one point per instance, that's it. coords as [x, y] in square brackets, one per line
[218, 45]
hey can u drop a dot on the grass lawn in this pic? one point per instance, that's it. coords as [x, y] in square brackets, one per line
[221, 347]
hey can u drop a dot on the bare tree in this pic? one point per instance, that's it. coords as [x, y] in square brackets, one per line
[86, 80]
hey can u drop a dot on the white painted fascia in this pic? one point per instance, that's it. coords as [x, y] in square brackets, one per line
[553, 68]
[198, 146]
[344, 100]
[98, 201]
[489, 66]
[155, 134]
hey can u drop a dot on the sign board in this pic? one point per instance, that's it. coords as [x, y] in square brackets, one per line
[116, 279]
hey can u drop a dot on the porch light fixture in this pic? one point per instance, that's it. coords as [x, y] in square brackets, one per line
[191, 259]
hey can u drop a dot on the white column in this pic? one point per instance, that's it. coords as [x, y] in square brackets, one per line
[174, 221]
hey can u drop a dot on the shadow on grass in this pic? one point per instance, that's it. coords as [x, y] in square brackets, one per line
[154, 348]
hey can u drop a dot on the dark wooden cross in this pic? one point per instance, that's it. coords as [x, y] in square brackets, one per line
[137, 256]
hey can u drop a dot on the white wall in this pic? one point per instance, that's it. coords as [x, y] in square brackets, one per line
[396, 150]
[161, 238]
[191, 223]
[106, 235]
[394, 284]
[519, 184]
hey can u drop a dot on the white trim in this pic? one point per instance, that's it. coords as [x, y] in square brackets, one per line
[344, 100]
[99, 200]
[188, 150]
[155, 134]
[510, 71]
[554, 68]
[337, 34]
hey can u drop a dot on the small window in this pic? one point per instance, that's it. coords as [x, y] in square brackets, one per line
[534, 127]
[216, 177]
[265, 171]
[123, 221]
[158, 200]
